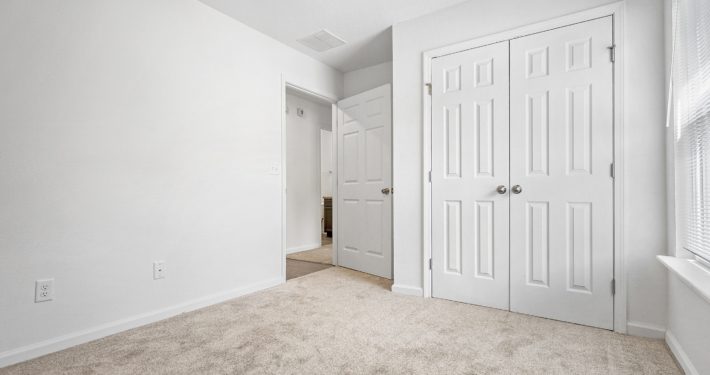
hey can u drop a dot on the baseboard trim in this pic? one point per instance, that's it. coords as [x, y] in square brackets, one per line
[41, 348]
[680, 356]
[645, 330]
[298, 249]
[407, 290]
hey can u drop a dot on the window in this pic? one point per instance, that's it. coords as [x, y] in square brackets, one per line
[691, 115]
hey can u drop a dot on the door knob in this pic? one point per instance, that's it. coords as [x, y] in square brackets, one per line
[517, 189]
[386, 191]
[501, 189]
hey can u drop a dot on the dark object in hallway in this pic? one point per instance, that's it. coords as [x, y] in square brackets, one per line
[328, 216]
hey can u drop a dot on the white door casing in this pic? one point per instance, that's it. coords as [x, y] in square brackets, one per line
[561, 153]
[364, 172]
[469, 161]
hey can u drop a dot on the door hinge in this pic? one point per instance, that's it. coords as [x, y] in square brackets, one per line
[613, 287]
[429, 176]
[611, 170]
[428, 87]
[612, 52]
[429, 263]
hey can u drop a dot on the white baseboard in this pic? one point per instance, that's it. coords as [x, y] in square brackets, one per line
[27, 352]
[645, 330]
[298, 249]
[407, 290]
[680, 356]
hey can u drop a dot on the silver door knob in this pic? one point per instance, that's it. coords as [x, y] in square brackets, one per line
[386, 191]
[501, 189]
[517, 189]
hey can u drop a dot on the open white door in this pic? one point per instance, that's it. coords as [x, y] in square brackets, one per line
[364, 225]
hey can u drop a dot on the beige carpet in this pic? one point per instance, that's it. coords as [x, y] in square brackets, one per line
[339, 321]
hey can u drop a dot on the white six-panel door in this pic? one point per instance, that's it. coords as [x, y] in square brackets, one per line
[364, 182]
[545, 246]
[469, 162]
[561, 143]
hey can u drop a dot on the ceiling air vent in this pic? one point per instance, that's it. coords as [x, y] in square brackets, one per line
[322, 41]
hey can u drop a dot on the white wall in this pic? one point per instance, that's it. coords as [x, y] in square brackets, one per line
[364, 79]
[645, 208]
[303, 176]
[688, 328]
[135, 131]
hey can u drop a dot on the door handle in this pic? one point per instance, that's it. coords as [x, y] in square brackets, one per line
[386, 191]
[517, 189]
[501, 189]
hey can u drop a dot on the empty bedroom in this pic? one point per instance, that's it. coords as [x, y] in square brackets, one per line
[354, 187]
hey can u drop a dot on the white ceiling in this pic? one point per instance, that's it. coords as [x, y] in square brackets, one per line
[364, 24]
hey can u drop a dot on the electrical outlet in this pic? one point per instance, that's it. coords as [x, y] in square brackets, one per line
[44, 290]
[158, 270]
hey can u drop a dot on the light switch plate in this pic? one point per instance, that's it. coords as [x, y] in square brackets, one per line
[158, 270]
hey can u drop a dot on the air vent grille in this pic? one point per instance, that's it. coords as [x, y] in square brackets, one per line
[322, 41]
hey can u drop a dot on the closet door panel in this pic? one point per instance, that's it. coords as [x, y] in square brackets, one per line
[469, 162]
[561, 151]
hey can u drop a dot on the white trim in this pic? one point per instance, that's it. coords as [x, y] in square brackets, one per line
[407, 290]
[691, 272]
[645, 330]
[680, 356]
[307, 247]
[27, 352]
[288, 83]
[334, 166]
[616, 10]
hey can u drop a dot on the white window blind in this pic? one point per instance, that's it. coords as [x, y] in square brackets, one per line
[691, 98]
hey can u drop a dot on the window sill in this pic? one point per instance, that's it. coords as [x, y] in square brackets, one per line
[693, 274]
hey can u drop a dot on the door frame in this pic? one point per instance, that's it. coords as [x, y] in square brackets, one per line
[616, 10]
[287, 83]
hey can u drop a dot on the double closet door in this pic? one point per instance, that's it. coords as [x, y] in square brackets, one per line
[522, 194]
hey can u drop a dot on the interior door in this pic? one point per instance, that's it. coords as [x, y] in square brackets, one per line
[364, 182]
[561, 154]
[470, 176]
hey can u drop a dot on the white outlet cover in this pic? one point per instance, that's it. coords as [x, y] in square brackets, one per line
[275, 169]
[44, 290]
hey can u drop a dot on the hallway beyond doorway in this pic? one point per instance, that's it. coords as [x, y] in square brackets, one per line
[305, 262]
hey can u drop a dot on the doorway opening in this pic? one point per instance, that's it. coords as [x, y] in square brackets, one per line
[337, 182]
[308, 183]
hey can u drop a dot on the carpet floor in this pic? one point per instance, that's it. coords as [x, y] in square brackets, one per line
[339, 321]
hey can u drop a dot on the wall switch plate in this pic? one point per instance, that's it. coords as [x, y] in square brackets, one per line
[44, 290]
[158, 270]
[275, 169]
